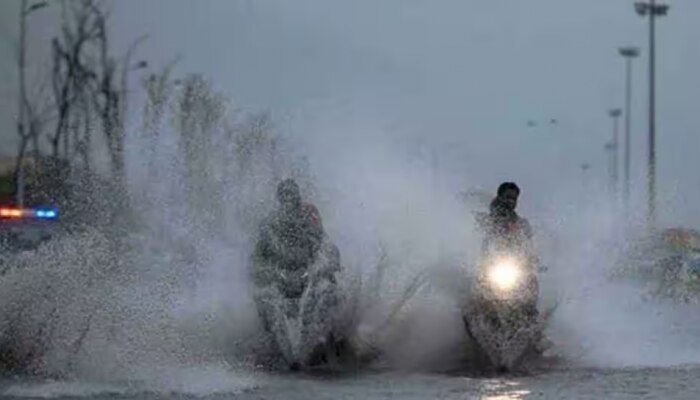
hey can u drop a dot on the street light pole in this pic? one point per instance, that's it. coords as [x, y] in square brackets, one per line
[653, 10]
[585, 181]
[615, 114]
[629, 53]
[610, 148]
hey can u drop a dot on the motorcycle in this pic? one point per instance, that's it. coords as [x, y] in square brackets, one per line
[299, 309]
[501, 315]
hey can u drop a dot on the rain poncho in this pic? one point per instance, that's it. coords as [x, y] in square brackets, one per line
[287, 246]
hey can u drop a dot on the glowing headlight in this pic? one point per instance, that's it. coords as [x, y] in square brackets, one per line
[504, 274]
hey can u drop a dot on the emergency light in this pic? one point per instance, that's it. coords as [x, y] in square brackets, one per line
[28, 213]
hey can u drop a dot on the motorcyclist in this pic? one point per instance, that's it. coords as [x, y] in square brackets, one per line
[507, 230]
[503, 221]
[289, 242]
[291, 254]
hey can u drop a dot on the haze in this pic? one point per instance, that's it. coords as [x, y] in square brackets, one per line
[459, 78]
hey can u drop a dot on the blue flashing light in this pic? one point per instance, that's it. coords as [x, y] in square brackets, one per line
[46, 213]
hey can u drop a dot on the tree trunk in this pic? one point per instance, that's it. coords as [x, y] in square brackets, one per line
[21, 119]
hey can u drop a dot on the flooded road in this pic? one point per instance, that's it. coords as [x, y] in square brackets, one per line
[649, 383]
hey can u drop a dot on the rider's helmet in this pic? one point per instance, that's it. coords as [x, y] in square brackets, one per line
[507, 196]
[289, 195]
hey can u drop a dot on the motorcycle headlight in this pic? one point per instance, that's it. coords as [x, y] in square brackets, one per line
[504, 274]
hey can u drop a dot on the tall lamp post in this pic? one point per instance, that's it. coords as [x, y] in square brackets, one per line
[615, 114]
[21, 111]
[652, 10]
[629, 53]
[610, 149]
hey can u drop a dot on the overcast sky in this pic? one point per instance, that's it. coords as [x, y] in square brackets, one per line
[464, 76]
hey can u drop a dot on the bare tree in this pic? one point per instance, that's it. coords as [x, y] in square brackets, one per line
[71, 73]
[30, 132]
[159, 88]
[83, 130]
[199, 114]
[27, 123]
[107, 97]
[88, 81]
[89, 92]
[254, 139]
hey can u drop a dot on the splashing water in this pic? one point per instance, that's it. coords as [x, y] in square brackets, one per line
[160, 293]
[602, 320]
[166, 291]
[166, 304]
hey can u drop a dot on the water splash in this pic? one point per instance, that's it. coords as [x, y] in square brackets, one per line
[603, 319]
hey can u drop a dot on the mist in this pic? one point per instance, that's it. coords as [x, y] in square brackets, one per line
[463, 77]
[393, 109]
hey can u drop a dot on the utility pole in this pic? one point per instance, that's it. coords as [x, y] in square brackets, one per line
[629, 53]
[652, 10]
[615, 114]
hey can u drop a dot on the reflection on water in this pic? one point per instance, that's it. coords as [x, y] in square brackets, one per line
[511, 395]
[504, 390]
[666, 384]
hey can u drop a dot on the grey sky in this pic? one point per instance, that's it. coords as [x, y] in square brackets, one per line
[462, 75]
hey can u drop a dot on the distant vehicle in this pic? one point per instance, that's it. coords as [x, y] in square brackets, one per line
[684, 244]
[669, 260]
[11, 213]
[681, 239]
[26, 228]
